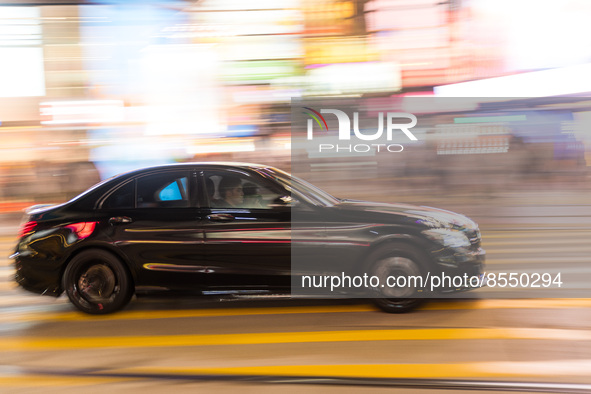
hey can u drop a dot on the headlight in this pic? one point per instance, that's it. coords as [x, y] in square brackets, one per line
[447, 237]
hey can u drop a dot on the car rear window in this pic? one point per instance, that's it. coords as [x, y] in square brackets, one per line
[122, 198]
[163, 190]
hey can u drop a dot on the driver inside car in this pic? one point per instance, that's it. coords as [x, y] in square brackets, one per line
[230, 188]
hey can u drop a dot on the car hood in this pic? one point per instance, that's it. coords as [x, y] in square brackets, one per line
[422, 215]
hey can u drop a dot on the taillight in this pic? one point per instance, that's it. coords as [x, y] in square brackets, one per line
[82, 229]
[27, 228]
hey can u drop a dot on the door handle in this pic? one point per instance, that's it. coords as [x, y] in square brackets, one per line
[220, 217]
[120, 219]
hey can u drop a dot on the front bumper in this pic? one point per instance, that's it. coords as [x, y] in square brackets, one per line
[465, 264]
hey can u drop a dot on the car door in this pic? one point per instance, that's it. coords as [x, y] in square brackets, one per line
[247, 242]
[155, 222]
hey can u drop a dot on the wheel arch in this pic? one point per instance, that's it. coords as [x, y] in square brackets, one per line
[406, 246]
[409, 245]
[107, 248]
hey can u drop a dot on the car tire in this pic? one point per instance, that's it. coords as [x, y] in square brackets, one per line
[97, 282]
[396, 260]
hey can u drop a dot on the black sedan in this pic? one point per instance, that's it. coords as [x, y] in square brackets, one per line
[229, 228]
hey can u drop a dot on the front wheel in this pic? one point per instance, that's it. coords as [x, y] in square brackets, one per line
[96, 282]
[397, 262]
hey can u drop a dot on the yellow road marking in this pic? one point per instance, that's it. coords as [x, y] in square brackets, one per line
[451, 370]
[8, 285]
[37, 380]
[550, 303]
[172, 314]
[199, 313]
[503, 369]
[431, 334]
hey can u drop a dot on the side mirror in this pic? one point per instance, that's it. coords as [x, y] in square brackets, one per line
[284, 201]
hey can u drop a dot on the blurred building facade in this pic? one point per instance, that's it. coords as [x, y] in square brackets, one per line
[89, 90]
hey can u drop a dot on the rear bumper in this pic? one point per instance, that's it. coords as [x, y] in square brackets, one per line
[38, 280]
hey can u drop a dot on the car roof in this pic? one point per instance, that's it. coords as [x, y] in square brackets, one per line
[195, 164]
[108, 183]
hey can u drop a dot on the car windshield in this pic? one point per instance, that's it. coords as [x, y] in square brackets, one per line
[307, 190]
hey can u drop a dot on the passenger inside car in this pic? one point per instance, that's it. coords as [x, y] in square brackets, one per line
[232, 195]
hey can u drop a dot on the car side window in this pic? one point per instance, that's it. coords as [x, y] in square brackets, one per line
[174, 191]
[227, 189]
[163, 190]
[122, 198]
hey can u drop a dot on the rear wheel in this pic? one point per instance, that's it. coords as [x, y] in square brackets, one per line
[97, 282]
[398, 268]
